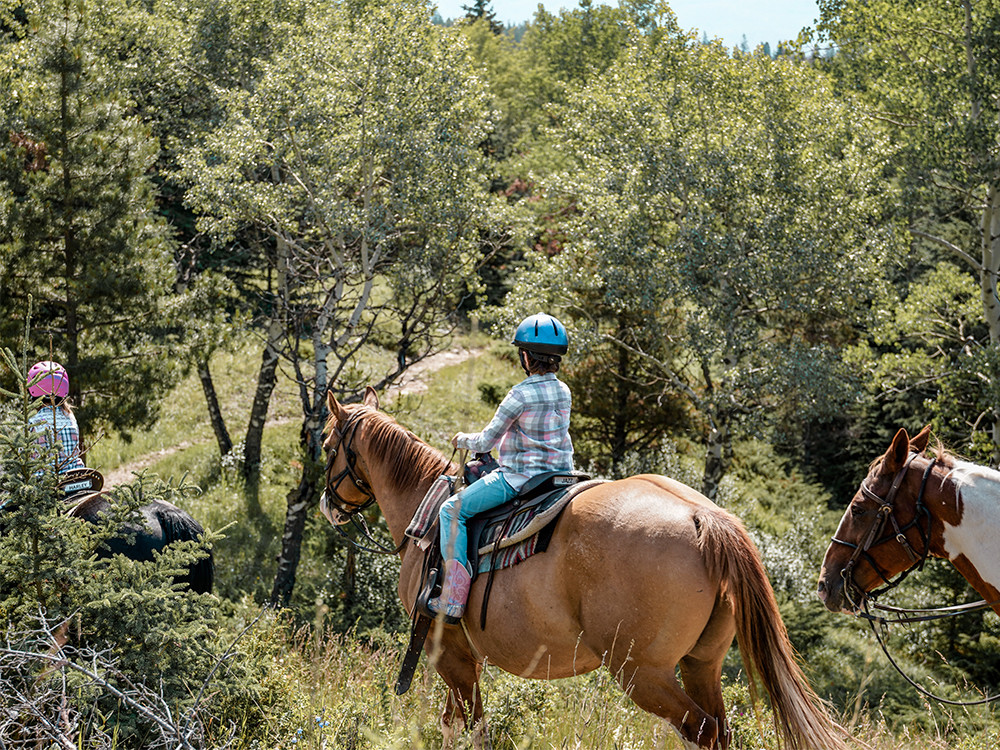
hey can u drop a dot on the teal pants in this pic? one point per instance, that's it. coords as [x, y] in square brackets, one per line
[483, 494]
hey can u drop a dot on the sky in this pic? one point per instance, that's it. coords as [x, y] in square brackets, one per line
[761, 21]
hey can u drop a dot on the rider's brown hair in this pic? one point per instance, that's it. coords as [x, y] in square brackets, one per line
[540, 364]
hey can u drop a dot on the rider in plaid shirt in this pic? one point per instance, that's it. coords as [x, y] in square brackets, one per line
[531, 427]
[54, 420]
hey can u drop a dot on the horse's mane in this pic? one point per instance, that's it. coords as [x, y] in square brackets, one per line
[405, 458]
[943, 456]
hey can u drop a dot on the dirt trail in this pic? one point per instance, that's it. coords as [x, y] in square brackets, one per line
[413, 381]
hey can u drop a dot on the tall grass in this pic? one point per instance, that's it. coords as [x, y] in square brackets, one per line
[324, 688]
[343, 698]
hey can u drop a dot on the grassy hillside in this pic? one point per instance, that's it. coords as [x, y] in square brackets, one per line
[325, 667]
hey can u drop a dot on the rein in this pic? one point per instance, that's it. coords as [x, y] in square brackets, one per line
[935, 614]
[345, 439]
[901, 616]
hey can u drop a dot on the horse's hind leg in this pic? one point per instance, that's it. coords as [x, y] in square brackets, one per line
[703, 684]
[656, 690]
[701, 669]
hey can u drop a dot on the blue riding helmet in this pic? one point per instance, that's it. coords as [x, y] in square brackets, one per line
[542, 334]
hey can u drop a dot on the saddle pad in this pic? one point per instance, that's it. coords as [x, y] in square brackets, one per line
[424, 521]
[522, 538]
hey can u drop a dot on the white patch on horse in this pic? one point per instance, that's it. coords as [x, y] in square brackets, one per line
[977, 536]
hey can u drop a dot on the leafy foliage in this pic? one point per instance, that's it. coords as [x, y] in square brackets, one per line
[699, 187]
[78, 231]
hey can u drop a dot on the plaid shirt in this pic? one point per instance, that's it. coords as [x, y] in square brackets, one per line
[531, 426]
[67, 434]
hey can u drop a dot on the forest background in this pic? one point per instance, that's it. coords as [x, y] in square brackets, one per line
[215, 211]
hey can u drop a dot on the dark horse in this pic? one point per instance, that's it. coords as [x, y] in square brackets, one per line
[644, 576]
[157, 524]
[149, 529]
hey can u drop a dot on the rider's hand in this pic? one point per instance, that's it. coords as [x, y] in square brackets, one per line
[454, 441]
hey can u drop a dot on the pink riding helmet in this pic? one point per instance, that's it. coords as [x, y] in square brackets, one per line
[55, 380]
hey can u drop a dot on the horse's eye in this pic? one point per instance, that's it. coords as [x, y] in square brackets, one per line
[856, 510]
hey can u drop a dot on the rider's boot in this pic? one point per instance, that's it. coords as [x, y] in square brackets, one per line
[454, 591]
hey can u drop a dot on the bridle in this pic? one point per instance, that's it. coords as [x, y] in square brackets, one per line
[352, 511]
[345, 440]
[871, 539]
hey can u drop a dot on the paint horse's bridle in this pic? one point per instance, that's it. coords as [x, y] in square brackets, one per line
[350, 511]
[900, 616]
[871, 537]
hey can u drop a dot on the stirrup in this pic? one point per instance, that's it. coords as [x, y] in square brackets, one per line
[423, 603]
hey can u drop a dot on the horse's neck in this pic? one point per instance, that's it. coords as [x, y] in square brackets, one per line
[971, 536]
[399, 504]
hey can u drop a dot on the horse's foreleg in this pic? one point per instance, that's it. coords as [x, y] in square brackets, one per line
[453, 723]
[449, 652]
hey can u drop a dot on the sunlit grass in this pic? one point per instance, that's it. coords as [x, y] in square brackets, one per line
[334, 690]
[343, 698]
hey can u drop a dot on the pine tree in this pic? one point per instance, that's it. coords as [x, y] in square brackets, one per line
[58, 596]
[480, 9]
[78, 227]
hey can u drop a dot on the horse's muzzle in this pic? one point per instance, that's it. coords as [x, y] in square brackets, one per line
[333, 514]
[831, 591]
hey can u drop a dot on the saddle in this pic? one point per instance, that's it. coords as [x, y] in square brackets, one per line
[77, 481]
[533, 511]
[498, 538]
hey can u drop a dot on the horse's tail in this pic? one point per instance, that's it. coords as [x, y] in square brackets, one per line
[179, 526]
[801, 717]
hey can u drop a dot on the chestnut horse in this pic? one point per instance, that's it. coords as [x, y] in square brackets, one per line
[641, 576]
[911, 507]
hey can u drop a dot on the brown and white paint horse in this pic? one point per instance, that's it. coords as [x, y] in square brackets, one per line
[642, 576]
[910, 507]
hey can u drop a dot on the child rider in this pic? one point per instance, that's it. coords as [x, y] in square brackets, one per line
[531, 428]
[54, 420]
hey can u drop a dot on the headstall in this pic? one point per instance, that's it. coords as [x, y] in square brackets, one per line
[900, 616]
[872, 539]
[352, 510]
[345, 439]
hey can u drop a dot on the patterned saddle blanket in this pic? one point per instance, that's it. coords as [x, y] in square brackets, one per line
[512, 532]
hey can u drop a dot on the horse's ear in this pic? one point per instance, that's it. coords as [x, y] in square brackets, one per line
[896, 456]
[919, 441]
[336, 410]
[371, 397]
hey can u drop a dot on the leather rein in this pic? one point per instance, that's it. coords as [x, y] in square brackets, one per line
[900, 615]
[353, 510]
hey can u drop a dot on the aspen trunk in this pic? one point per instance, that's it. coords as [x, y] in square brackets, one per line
[300, 501]
[214, 411]
[266, 379]
[718, 457]
[990, 240]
